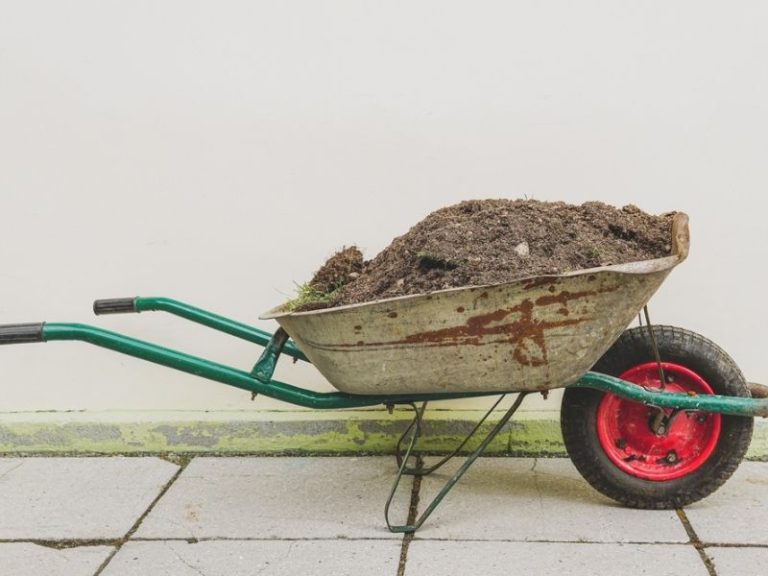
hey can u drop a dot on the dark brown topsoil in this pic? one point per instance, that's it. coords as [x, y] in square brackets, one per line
[493, 241]
[338, 270]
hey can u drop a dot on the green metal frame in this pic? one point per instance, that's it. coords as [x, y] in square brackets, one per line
[731, 405]
[225, 374]
[259, 380]
[419, 470]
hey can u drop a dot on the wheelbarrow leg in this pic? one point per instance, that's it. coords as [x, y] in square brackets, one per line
[421, 471]
[416, 427]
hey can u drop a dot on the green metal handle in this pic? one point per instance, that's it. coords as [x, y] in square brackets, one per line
[21, 333]
[193, 314]
[231, 376]
[114, 306]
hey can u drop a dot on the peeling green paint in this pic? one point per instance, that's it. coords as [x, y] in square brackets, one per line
[370, 433]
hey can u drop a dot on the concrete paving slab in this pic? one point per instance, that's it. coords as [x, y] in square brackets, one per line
[738, 561]
[438, 558]
[25, 559]
[77, 498]
[736, 513]
[525, 499]
[253, 497]
[263, 557]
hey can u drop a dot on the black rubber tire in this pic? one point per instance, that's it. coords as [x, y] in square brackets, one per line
[579, 409]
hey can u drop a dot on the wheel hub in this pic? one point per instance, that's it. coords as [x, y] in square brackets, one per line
[653, 443]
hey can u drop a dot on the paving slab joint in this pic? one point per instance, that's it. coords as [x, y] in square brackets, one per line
[696, 542]
[182, 462]
[62, 544]
[413, 511]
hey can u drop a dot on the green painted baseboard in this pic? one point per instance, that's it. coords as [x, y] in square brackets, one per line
[370, 432]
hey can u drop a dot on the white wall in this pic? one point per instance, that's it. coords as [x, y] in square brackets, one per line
[218, 151]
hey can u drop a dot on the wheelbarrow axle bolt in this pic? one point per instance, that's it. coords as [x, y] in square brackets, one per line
[671, 457]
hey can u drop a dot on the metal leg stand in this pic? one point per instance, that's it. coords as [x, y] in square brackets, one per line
[415, 428]
[425, 471]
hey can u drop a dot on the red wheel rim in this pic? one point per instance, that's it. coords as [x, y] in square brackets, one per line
[625, 433]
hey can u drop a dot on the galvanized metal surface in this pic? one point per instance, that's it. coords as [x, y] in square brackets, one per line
[532, 334]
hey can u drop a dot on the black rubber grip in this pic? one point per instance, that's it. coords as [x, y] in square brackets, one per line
[114, 306]
[21, 333]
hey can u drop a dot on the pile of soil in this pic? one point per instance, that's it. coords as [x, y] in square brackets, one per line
[494, 241]
[339, 269]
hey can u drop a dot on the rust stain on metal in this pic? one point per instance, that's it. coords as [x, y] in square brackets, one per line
[538, 282]
[562, 298]
[525, 333]
[566, 296]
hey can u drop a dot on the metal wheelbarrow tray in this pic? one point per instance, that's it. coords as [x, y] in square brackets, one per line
[654, 416]
[532, 334]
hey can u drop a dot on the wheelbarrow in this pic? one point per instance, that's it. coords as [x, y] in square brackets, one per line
[653, 417]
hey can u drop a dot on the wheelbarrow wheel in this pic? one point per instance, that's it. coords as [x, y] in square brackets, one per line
[642, 456]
